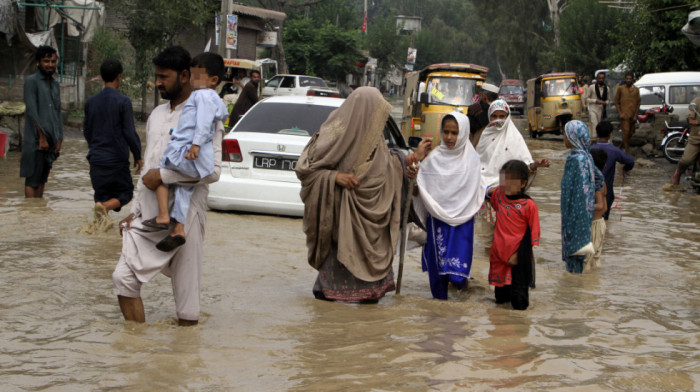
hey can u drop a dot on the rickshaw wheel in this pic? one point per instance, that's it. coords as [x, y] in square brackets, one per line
[533, 134]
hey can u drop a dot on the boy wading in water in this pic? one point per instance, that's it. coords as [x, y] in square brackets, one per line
[598, 227]
[517, 231]
[190, 149]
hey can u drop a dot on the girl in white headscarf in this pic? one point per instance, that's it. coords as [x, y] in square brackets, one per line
[501, 142]
[450, 192]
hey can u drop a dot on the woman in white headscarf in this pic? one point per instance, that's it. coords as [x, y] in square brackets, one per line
[450, 192]
[501, 142]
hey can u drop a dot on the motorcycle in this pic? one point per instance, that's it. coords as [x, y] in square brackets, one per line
[645, 116]
[673, 144]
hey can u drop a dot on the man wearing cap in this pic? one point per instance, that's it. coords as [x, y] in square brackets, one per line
[478, 113]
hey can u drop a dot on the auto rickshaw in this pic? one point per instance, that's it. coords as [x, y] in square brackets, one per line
[552, 101]
[435, 91]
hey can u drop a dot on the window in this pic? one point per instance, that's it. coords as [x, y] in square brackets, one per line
[299, 119]
[652, 95]
[288, 82]
[510, 89]
[683, 95]
[559, 87]
[305, 81]
[274, 82]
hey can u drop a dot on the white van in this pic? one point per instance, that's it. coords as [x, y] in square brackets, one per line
[674, 88]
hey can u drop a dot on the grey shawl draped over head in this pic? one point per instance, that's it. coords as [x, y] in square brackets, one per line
[364, 221]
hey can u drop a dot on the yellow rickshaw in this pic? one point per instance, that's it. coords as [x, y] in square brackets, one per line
[552, 101]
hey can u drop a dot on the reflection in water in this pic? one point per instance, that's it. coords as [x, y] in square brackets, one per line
[632, 325]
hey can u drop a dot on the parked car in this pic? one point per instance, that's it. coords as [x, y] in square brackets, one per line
[677, 89]
[513, 92]
[261, 152]
[298, 85]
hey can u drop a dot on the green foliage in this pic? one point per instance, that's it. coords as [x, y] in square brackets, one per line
[327, 51]
[111, 44]
[153, 24]
[586, 42]
[651, 39]
[385, 45]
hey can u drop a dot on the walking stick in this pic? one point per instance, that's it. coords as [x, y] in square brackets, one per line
[617, 203]
[404, 232]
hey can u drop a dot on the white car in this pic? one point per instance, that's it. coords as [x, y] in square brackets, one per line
[298, 85]
[261, 152]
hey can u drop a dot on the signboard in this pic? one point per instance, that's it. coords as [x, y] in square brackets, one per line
[411, 58]
[231, 31]
[267, 39]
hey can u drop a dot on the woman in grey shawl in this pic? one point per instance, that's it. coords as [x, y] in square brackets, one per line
[351, 186]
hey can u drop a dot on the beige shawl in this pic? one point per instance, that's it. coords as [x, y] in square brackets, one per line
[363, 222]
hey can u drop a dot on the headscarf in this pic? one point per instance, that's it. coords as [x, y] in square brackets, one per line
[363, 222]
[450, 187]
[500, 144]
[578, 185]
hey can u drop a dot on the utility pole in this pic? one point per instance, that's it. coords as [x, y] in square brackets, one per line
[223, 24]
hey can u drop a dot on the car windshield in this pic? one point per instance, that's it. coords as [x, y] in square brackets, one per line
[559, 87]
[510, 90]
[450, 91]
[306, 81]
[284, 118]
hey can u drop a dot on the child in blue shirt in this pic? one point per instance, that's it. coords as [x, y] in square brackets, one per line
[190, 151]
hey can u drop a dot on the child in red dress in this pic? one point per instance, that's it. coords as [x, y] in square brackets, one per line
[517, 231]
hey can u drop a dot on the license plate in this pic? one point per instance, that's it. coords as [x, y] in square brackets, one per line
[274, 163]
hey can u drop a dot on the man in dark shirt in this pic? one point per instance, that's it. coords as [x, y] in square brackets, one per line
[43, 126]
[110, 133]
[604, 129]
[247, 98]
[478, 113]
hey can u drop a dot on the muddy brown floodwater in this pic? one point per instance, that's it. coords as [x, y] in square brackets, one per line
[633, 325]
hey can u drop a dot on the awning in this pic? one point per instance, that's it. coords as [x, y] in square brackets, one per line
[257, 12]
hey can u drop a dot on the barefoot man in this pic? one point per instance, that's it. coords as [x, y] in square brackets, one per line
[140, 261]
[110, 133]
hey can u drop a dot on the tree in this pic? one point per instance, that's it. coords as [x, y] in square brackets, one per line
[651, 40]
[152, 26]
[280, 5]
[556, 8]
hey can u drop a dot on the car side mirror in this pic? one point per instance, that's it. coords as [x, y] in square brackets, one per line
[414, 141]
[424, 98]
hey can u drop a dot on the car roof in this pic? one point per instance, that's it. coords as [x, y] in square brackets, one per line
[669, 77]
[303, 99]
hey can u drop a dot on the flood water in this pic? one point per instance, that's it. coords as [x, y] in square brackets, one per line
[633, 325]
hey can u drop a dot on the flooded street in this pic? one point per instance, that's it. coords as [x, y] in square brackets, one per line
[633, 325]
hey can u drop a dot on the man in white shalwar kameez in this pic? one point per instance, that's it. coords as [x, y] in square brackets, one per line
[140, 261]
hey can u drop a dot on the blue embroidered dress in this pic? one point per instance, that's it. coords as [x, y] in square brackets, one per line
[197, 125]
[447, 255]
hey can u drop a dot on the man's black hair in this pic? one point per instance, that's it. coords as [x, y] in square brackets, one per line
[254, 71]
[176, 58]
[490, 95]
[604, 129]
[629, 74]
[212, 62]
[110, 69]
[44, 51]
[599, 157]
[517, 169]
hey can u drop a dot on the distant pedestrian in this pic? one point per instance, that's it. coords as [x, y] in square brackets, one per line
[110, 133]
[615, 155]
[190, 151]
[247, 97]
[478, 113]
[598, 226]
[43, 127]
[451, 191]
[517, 231]
[627, 101]
[578, 185]
[597, 99]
